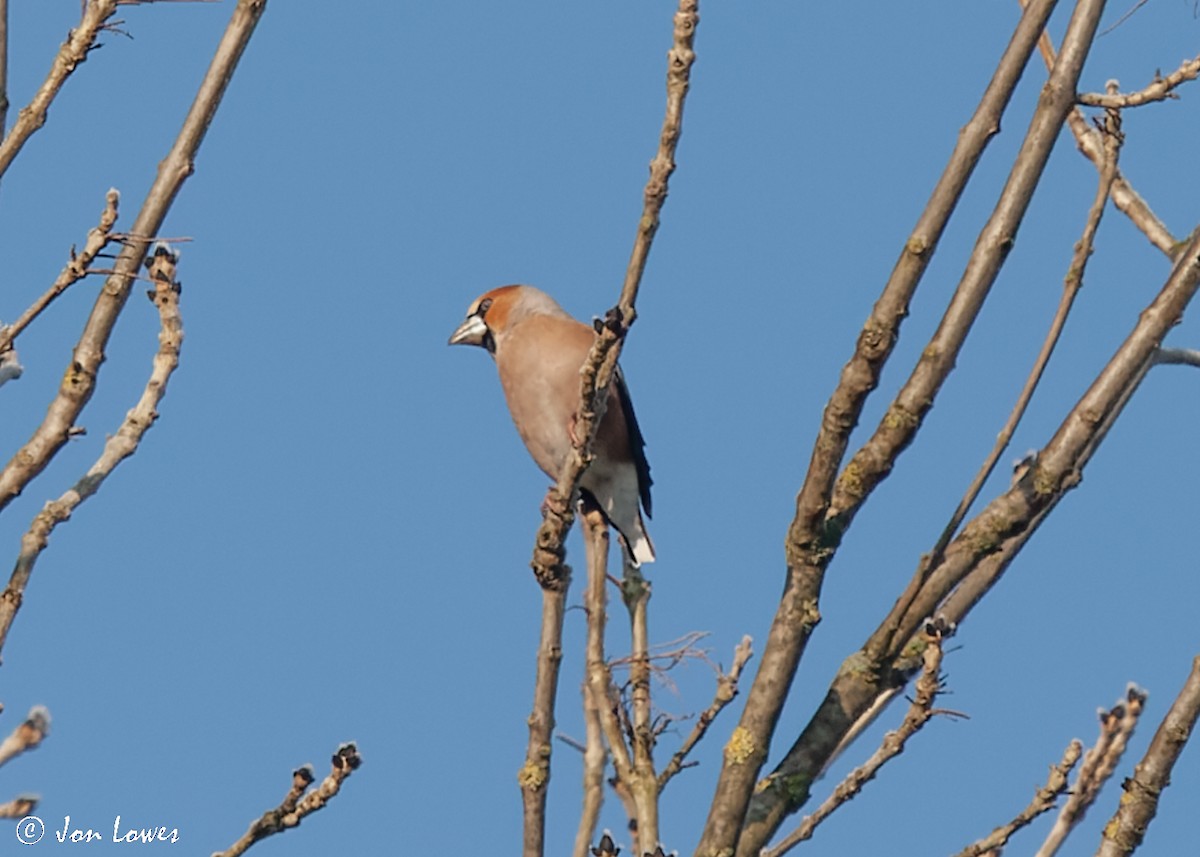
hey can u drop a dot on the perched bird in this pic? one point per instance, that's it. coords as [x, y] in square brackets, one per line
[539, 350]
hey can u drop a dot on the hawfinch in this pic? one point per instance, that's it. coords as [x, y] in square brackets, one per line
[539, 350]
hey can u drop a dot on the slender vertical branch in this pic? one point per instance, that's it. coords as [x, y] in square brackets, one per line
[635, 590]
[601, 363]
[3, 67]
[79, 381]
[534, 777]
[594, 759]
[598, 680]
[1124, 833]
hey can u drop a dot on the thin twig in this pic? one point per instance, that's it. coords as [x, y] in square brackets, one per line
[1160, 89]
[19, 807]
[297, 805]
[1099, 763]
[1043, 801]
[928, 687]
[1124, 833]
[600, 365]
[1124, 17]
[75, 270]
[1125, 198]
[79, 380]
[27, 736]
[80, 42]
[119, 446]
[635, 590]
[1178, 356]
[727, 688]
[1072, 283]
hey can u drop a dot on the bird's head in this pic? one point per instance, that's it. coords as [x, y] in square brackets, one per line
[493, 314]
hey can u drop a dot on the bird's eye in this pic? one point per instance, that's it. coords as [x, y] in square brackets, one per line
[484, 306]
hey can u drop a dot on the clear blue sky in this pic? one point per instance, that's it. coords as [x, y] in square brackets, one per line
[326, 535]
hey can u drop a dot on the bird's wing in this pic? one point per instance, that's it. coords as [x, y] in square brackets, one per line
[637, 443]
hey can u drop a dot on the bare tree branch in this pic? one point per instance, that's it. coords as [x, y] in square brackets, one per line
[727, 688]
[598, 369]
[989, 542]
[595, 758]
[598, 678]
[872, 463]
[1099, 763]
[3, 67]
[534, 777]
[75, 270]
[1126, 199]
[119, 446]
[1160, 89]
[297, 805]
[812, 539]
[1043, 801]
[928, 687]
[80, 378]
[80, 42]
[19, 807]
[27, 736]
[1124, 833]
[635, 590]
[1178, 356]
[1072, 283]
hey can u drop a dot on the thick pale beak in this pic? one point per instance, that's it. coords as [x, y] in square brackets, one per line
[470, 332]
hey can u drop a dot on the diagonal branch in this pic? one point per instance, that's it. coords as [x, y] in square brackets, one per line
[874, 461]
[1072, 283]
[1125, 198]
[1043, 801]
[812, 539]
[1124, 833]
[27, 736]
[978, 556]
[296, 805]
[75, 270]
[1099, 763]
[79, 381]
[1160, 89]
[928, 687]
[80, 42]
[118, 447]
[727, 688]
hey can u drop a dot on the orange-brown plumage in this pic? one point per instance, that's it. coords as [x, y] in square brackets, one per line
[539, 350]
